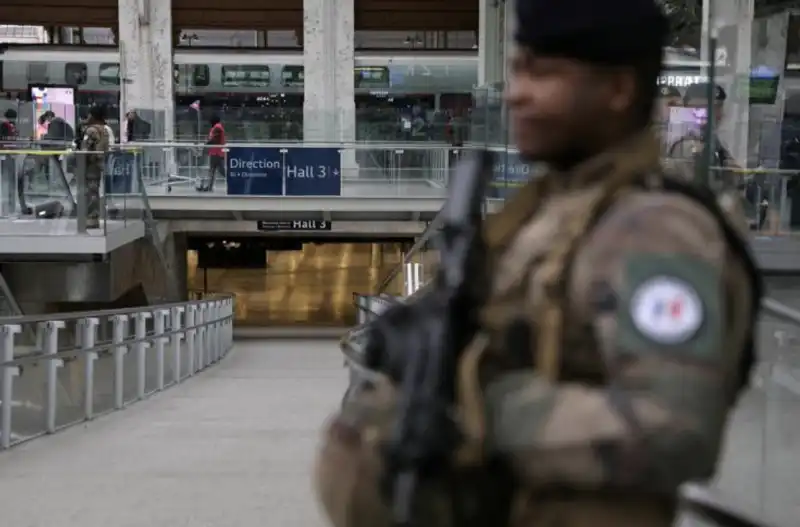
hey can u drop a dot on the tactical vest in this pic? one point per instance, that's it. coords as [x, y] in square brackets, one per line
[102, 144]
[549, 341]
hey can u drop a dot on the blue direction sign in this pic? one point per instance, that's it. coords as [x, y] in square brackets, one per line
[313, 172]
[120, 172]
[509, 173]
[255, 171]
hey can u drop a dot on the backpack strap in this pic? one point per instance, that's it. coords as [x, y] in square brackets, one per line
[704, 197]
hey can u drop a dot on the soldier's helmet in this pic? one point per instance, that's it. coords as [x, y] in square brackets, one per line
[669, 92]
[699, 92]
[97, 112]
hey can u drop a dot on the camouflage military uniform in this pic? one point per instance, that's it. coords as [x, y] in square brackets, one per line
[643, 311]
[618, 328]
[95, 140]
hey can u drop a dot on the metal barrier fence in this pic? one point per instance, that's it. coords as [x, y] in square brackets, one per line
[265, 169]
[83, 365]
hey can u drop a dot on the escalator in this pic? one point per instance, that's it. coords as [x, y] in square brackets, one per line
[44, 190]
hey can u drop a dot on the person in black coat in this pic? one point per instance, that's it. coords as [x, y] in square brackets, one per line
[58, 130]
[136, 128]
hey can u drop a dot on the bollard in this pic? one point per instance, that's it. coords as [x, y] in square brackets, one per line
[204, 340]
[159, 326]
[209, 329]
[177, 336]
[52, 364]
[217, 329]
[141, 352]
[88, 332]
[210, 332]
[190, 335]
[119, 330]
[7, 381]
[229, 312]
[200, 345]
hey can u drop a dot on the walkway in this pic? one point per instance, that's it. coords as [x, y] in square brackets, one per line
[234, 446]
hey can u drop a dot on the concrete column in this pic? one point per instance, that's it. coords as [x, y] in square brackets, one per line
[732, 21]
[509, 27]
[496, 25]
[491, 41]
[328, 53]
[145, 48]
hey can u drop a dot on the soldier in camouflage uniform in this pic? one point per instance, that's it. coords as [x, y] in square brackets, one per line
[619, 328]
[96, 141]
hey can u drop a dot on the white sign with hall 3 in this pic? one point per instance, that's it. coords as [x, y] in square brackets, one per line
[293, 225]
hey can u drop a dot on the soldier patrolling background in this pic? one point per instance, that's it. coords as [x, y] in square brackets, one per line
[619, 328]
[96, 141]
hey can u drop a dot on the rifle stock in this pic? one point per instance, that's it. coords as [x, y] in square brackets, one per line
[424, 433]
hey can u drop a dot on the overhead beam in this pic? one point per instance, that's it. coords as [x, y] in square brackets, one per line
[419, 6]
[35, 15]
[238, 5]
[410, 21]
[196, 19]
[232, 18]
[61, 4]
[237, 19]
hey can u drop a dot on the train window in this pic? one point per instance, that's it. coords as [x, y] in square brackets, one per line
[75, 73]
[245, 76]
[200, 75]
[109, 74]
[372, 77]
[37, 73]
[293, 76]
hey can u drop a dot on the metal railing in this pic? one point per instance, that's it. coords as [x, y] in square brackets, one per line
[181, 166]
[84, 365]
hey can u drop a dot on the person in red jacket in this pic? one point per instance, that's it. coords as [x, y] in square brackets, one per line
[216, 154]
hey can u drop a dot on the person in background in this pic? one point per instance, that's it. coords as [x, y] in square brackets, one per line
[8, 127]
[136, 128]
[8, 164]
[668, 98]
[83, 116]
[111, 138]
[58, 130]
[95, 142]
[682, 155]
[216, 154]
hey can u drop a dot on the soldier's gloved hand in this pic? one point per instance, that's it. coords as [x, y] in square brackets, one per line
[396, 334]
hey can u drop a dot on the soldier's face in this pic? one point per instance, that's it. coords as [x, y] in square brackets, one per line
[556, 105]
[701, 103]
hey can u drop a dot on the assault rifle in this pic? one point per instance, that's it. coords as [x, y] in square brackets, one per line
[420, 343]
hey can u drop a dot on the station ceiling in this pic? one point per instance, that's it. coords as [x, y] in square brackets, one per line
[376, 15]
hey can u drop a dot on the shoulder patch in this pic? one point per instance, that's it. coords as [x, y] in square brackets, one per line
[667, 310]
[671, 303]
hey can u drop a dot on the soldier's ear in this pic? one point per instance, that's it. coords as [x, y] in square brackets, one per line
[622, 90]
